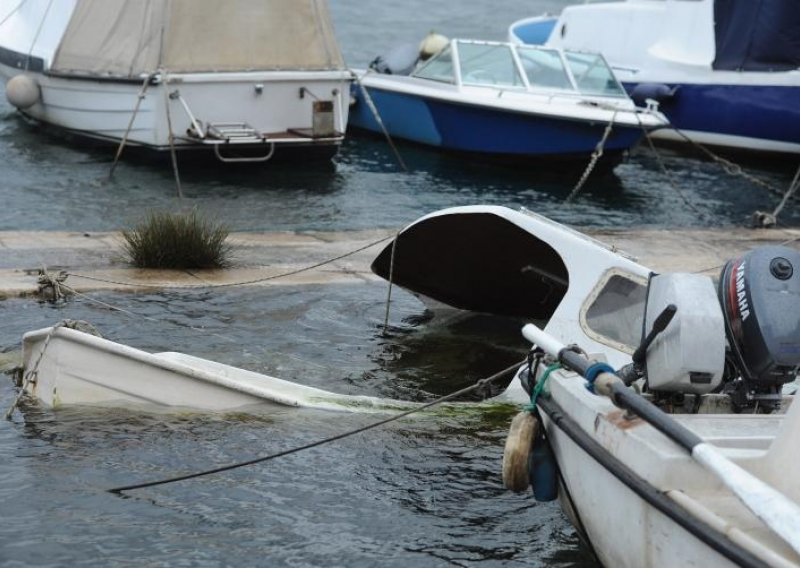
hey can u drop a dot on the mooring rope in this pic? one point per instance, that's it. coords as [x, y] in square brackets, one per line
[730, 167]
[596, 155]
[668, 173]
[124, 141]
[391, 284]
[30, 376]
[51, 285]
[206, 285]
[482, 383]
[374, 110]
[173, 154]
[762, 219]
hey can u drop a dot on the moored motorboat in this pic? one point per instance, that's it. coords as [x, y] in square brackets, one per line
[726, 73]
[720, 366]
[246, 82]
[501, 101]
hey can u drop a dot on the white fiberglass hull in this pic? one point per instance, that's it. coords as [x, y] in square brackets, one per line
[645, 502]
[278, 108]
[672, 44]
[73, 367]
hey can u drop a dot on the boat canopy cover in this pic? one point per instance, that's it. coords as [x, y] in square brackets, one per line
[757, 35]
[129, 38]
[480, 262]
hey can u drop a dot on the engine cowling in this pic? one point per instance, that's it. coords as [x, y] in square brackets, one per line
[760, 297]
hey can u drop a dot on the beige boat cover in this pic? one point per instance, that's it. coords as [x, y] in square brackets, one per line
[129, 38]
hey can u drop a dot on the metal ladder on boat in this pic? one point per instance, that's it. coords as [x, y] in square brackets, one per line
[223, 133]
[236, 133]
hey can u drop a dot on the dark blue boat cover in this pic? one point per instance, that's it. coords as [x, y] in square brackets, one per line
[757, 35]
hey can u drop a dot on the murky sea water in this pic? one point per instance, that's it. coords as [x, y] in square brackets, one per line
[421, 492]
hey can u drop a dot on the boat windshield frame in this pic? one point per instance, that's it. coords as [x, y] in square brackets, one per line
[556, 69]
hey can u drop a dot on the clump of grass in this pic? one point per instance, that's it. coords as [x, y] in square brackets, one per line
[177, 240]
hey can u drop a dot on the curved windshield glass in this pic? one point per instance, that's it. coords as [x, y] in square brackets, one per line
[438, 68]
[544, 68]
[592, 74]
[488, 64]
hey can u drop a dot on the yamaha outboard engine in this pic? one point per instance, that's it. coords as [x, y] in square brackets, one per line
[760, 297]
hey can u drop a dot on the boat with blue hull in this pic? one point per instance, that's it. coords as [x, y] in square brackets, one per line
[726, 74]
[505, 102]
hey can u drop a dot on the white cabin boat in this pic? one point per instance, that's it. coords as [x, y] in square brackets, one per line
[244, 78]
[635, 495]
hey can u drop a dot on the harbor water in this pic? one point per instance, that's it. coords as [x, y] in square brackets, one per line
[424, 491]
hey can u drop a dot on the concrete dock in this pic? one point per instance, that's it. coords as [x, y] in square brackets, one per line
[95, 261]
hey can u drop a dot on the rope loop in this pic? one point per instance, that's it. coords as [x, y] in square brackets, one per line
[539, 389]
[51, 286]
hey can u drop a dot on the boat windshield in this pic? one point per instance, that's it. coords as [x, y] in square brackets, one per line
[544, 68]
[438, 68]
[592, 74]
[504, 65]
[488, 64]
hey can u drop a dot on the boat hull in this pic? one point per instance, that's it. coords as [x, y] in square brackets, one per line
[742, 110]
[64, 366]
[619, 473]
[493, 132]
[277, 106]
[742, 116]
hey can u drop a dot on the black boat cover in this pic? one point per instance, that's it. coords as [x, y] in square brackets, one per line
[757, 35]
[478, 262]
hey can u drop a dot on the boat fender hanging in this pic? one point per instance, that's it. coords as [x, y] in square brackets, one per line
[656, 91]
[432, 44]
[516, 455]
[22, 91]
[543, 469]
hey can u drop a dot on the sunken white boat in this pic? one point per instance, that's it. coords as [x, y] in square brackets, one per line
[246, 79]
[717, 374]
[70, 364]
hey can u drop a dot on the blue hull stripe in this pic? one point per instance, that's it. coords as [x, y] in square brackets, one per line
[475, 129]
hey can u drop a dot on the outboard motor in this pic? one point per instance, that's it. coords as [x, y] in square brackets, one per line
[760, 297]
[399, 61]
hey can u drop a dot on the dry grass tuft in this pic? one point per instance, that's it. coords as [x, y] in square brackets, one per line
[177, 240]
